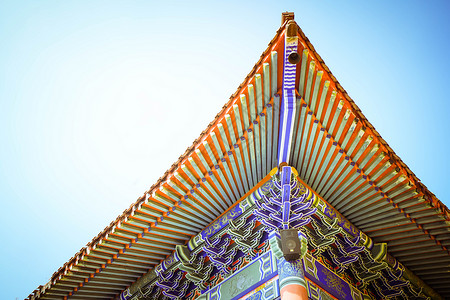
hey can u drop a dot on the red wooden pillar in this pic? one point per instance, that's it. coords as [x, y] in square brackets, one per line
[294, 292]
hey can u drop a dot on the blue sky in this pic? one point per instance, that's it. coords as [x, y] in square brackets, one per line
[99, 98]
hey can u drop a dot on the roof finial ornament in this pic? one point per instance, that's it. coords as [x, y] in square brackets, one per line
[286, 16]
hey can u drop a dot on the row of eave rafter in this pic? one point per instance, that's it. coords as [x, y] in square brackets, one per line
[154, 210]
[157, 217]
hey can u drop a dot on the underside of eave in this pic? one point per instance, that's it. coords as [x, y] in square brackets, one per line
[124, 217]
[432, 198]
[189, 151]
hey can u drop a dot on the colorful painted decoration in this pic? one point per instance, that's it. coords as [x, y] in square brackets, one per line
[221, 260]
[210, 228]
[285, 205]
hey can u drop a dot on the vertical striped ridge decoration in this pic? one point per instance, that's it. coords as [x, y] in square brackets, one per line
[289, 97]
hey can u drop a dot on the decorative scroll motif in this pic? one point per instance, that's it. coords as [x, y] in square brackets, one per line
[341, 221]
[340, 257]
[287, 204]
[242, 210]
[393, 279]
[391, 284]
[413, 290]
[316, 293]
[345, 252]
[322, 234]
[154, 291]
[220, 223]
[370, 264]
[172, 284]
[417, 292]
[333, 282]
[290, 272]
[243, 235]
[193, 266]
[224, 257]
[265, 188]
[383, 289]
[267, 291]
[259, 271]
[219, 253]
[328, 280]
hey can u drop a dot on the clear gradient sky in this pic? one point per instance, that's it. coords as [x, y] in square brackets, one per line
[99, 98]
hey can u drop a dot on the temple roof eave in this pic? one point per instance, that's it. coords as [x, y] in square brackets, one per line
[157, 225]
